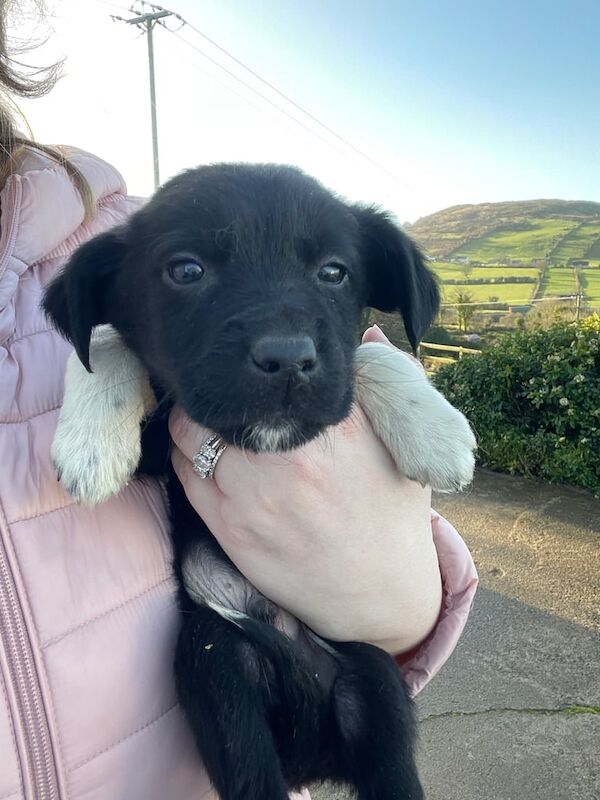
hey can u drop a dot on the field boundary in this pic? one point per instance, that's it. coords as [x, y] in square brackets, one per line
[451, 348]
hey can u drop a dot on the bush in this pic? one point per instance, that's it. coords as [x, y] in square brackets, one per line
[437, 334]
[534, 402]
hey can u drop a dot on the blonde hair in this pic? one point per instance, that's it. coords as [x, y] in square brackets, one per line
[16, 79]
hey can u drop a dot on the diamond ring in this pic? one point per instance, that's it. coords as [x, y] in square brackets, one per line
[205, 460]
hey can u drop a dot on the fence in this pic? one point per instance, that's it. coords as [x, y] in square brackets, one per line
[450, 348]
[479, 316]
[490, 318]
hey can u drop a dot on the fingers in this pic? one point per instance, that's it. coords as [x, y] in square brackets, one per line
[239, 470]
[204, 495]
[375, 334]
[188, 436]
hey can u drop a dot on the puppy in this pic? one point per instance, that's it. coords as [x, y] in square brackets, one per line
[237, 292]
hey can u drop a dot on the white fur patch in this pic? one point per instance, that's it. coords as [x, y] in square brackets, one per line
[97, 445]
[215, 583]
[270, 438]
[230, 614]
[430, 440]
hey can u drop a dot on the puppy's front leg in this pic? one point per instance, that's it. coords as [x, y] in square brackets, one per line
[430, 440]
[97, 445]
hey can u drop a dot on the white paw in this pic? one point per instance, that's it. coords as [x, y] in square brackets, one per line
[430, 440]
[97, 445]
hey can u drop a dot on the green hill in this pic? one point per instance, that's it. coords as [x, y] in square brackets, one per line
[556, 230]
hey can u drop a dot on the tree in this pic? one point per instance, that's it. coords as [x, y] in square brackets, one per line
[465, 309]
[466, 270]
[365, 320]
[549, 312]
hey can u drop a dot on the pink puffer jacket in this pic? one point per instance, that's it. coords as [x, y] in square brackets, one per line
[87, 613]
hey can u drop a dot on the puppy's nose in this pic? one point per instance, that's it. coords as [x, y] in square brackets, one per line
[273, 354]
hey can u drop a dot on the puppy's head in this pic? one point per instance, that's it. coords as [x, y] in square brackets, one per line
[241, 287]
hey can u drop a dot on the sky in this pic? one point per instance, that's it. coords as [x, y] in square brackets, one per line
[456, 101]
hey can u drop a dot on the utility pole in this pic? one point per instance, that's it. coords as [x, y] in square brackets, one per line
[146, 22]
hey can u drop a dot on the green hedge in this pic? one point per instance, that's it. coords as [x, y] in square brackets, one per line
[534, 402]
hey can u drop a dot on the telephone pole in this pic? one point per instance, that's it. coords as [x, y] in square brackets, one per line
[146, 23]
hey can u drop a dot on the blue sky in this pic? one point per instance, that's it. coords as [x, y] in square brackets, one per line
[461, 101]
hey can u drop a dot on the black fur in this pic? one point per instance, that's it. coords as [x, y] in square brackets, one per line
[269, 713]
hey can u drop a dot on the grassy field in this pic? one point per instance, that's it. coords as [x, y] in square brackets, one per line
[558, 281]
[590, 283]
[447, 271]
[502, 245]
[505, 292]
[578, 241]
[594, 252]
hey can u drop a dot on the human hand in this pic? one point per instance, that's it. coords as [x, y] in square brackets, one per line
[330, 532]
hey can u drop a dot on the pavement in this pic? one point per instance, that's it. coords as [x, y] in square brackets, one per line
[515, 713]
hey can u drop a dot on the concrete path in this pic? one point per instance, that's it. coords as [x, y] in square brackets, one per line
[515, 713]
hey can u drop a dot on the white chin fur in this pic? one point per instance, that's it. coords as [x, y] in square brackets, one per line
[270, 438]
[430, 440]
[97, 445]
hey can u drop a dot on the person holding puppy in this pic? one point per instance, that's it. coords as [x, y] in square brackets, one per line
[88, 617]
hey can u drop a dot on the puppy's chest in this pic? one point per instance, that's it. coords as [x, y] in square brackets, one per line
[211, 579]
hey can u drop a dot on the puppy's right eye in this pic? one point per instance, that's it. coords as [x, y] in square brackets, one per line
[185, 271]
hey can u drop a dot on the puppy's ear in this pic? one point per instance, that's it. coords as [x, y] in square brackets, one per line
[397, 278]
[76, 301]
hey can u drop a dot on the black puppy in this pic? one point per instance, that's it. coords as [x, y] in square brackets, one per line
[240, 288]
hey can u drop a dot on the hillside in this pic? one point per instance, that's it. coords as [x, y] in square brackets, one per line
[557, 230]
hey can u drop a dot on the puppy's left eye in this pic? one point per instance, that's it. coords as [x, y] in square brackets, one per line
[185, 271]
[332, 273]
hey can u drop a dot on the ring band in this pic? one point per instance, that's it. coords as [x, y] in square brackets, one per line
[205, 461]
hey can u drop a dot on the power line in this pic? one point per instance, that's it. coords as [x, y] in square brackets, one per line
[262, 96]
[246, 99]
[114, 5]
[273, 88]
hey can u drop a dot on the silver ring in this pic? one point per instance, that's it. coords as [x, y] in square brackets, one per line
[204, 462]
